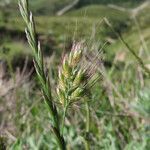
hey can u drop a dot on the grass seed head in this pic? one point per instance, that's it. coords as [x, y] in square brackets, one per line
[73, 78]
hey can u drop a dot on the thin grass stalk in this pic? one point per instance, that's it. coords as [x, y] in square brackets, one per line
[140, 61]
[39, 67]
[87, 127]
[63, 119]
[143, 42]
[87, 118]
[87, 145]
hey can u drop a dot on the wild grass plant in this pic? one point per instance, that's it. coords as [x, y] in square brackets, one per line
[74, 78]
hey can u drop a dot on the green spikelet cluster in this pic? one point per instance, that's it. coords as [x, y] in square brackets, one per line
[71, 77]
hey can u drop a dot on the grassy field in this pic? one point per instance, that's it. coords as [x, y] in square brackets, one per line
[119, 104]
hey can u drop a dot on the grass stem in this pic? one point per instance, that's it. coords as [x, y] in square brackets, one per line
[86, 139]
[63, 119]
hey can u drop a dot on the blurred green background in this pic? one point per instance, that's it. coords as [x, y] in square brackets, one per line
[59, 23]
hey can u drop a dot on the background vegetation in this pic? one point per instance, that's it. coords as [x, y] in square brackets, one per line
[120, 105]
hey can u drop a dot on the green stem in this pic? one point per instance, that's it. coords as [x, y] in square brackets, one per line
[87, 117]
[86, 144]
[59, 138]
[86, 140]
[63, 120]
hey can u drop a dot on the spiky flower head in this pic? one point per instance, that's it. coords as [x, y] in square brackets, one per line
[74, 78]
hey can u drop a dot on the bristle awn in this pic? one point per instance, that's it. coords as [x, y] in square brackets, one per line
[94, 63]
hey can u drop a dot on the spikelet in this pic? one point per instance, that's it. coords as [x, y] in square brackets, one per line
[66, 68]
[61, 80]
[61, 96]
[77, 93]
[75, 55]
[78, 78]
